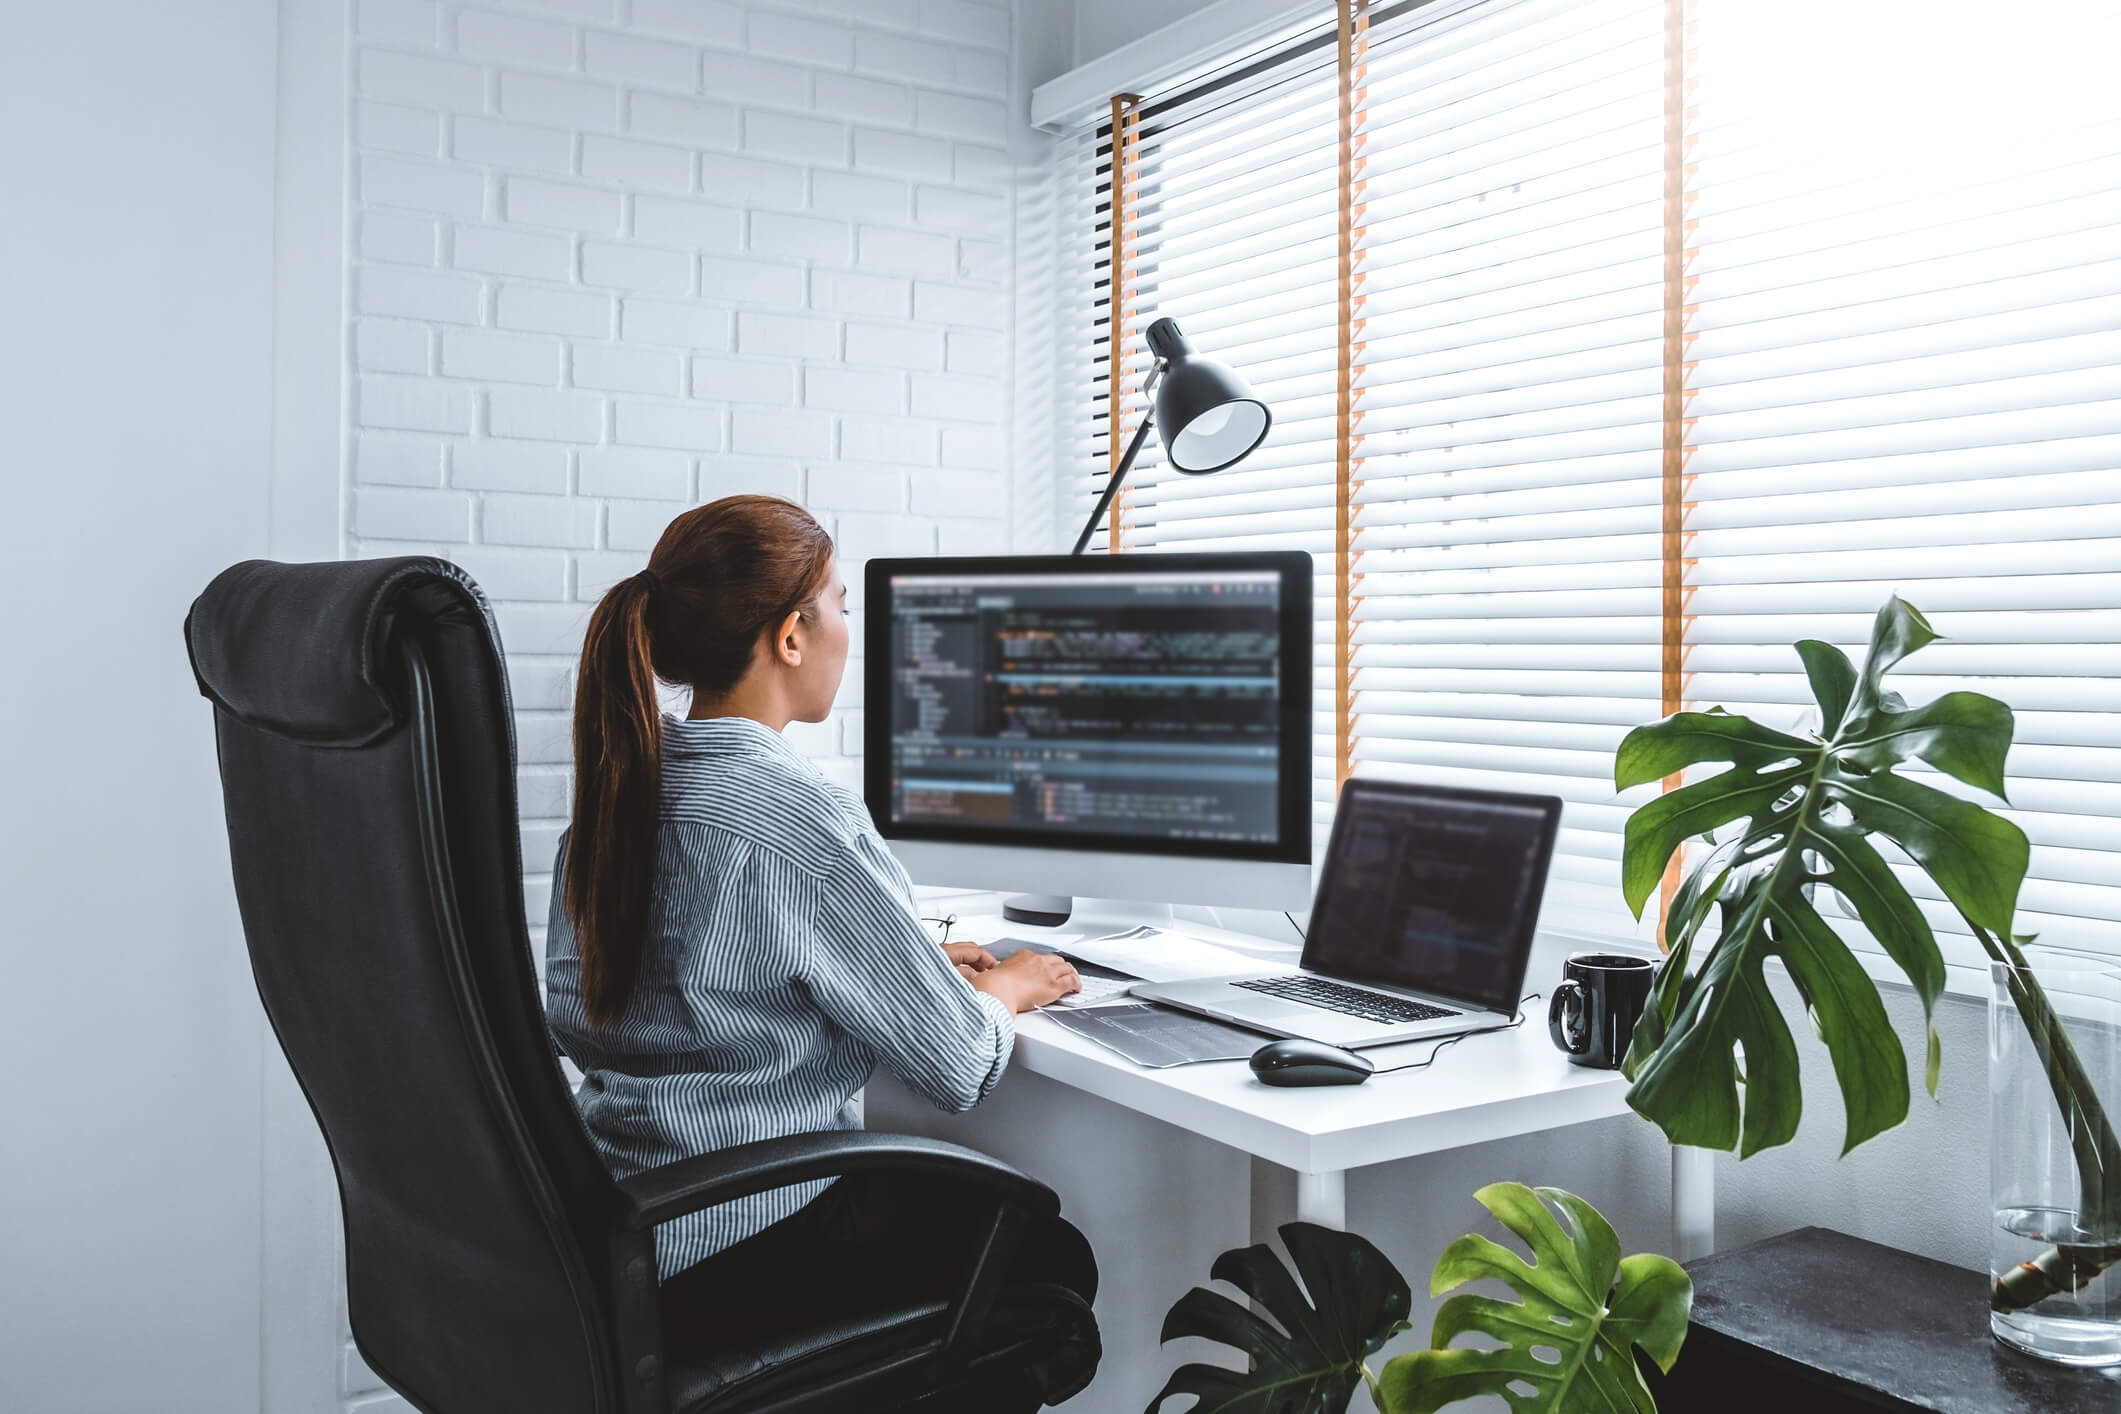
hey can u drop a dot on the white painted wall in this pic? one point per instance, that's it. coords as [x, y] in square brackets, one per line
[136, 341]
[609, 268]
[599, 260]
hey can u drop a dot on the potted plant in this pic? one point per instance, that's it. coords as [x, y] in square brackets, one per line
[1798, 816]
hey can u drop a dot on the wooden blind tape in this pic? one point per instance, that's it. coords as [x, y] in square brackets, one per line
[1354, 25]
[1677, 483]
[1126, 154]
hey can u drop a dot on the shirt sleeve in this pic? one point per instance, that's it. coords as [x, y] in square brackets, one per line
[878, 973]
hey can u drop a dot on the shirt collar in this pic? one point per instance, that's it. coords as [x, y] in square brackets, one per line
[728, 736]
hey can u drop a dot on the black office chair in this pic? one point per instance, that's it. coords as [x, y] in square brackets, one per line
[492, 1263]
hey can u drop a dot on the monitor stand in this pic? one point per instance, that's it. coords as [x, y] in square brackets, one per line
[1041, 910]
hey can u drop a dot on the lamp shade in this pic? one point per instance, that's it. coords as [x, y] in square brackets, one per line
[1204, 409]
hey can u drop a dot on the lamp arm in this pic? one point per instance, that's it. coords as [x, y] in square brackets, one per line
[1112, 485]
[1126, 463]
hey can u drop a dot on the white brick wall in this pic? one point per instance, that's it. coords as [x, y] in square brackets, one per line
[614, 258]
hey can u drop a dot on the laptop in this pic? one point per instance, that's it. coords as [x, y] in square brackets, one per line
[1422, 925]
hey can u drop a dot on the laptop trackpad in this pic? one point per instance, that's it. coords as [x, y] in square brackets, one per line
[1255, 1007]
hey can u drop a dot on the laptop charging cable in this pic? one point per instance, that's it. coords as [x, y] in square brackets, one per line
[1449, 1041]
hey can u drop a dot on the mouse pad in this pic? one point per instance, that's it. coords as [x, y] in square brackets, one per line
[1157, 1037]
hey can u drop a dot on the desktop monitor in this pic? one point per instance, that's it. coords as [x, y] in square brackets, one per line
[1110, 726]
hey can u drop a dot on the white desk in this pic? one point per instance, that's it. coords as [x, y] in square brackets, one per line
[1124, 1145]
[1481, 1088]
[1154, 1232]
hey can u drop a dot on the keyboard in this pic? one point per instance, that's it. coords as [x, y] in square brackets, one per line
[1100, 984]
[1350, 1001]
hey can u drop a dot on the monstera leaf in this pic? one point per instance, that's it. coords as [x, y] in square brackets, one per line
[1809, 806]
[1312, 1363]
[1566, 1340]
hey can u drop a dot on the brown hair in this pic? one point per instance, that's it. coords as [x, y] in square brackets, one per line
[720, 577]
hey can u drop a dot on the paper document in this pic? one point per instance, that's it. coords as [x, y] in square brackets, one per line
[1156, 1037]
[1165, 955]
[1100, 984]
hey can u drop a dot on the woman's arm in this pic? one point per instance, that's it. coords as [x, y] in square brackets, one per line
[875, 970]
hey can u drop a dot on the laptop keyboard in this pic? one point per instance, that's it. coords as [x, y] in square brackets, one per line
[1351, 1001]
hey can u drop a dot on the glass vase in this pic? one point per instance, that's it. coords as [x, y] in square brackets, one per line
[2054, 1098]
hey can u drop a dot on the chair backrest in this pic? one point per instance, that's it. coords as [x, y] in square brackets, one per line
[368, 768]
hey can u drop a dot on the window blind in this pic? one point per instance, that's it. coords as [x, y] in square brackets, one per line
[1640, 338]
[1506, 487]
[1905, 376]
[1228, 210]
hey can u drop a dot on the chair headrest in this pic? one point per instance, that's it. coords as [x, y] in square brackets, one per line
[303, 650]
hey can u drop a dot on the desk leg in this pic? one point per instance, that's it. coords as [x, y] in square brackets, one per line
[1279, 1195]
[1693, 1202]
[1322, 1198]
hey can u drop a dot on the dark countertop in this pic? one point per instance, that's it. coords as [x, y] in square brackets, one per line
[1883, 1327]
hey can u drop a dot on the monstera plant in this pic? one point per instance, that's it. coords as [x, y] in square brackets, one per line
[1790, 819]
[1310, 1356]
[1565, 1344]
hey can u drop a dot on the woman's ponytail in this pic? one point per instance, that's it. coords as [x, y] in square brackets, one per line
[721, 575]
[611, 845]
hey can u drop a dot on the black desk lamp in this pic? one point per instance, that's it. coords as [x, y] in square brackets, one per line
[1215, 420]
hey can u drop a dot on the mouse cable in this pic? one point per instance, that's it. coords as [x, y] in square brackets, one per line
[1449, 1041]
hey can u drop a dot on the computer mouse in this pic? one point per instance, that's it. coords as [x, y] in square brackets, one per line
[1300, 1062]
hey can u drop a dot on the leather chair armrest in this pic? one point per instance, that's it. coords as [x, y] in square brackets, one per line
[659, 1194]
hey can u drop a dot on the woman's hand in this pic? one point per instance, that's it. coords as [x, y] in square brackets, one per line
[1027, 980]
[971, 958]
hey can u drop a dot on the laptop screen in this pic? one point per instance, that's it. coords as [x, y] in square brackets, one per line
[1433, 889]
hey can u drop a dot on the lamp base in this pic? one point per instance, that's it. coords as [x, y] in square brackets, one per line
[1039, 910]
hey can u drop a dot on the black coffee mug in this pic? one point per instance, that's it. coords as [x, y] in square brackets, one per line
[1593, 1014]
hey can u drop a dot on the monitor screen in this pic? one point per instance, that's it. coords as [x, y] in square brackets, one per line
[1143, 702]
[1433, 889]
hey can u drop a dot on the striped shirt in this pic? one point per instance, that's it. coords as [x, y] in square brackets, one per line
[785, 957]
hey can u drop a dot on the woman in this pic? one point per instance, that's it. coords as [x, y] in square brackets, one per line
[732, 948]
